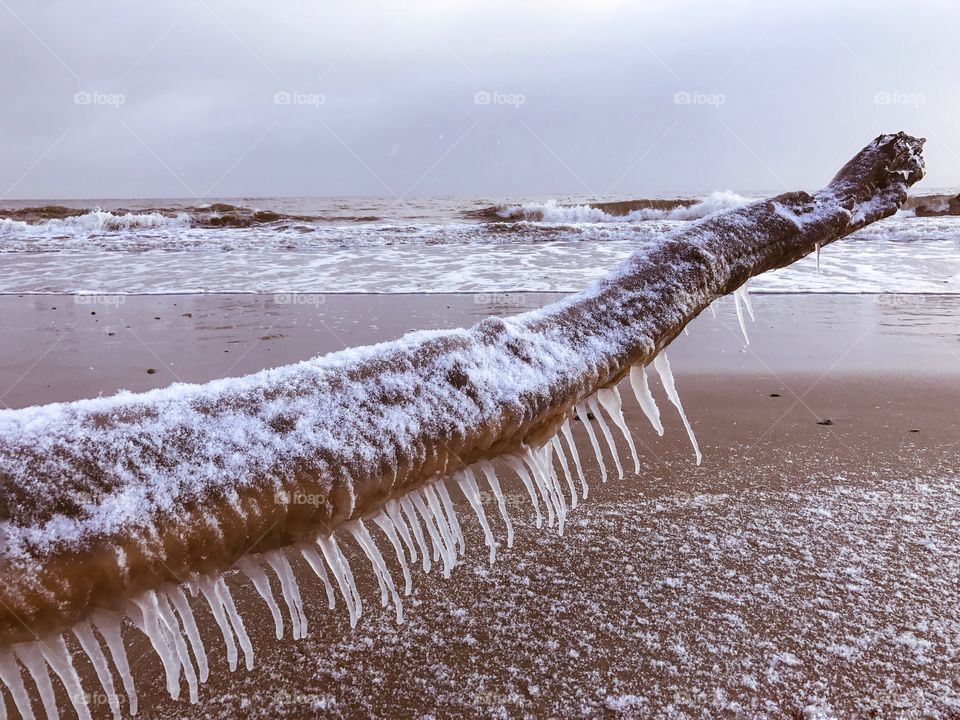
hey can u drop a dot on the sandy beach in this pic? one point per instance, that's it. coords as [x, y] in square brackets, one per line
[809, 563]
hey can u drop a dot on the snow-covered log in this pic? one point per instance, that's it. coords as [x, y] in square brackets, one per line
[111, 507]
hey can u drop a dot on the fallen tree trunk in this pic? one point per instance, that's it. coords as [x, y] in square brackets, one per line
[109, 499]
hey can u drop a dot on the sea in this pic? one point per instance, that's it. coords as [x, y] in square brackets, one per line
[436, 245]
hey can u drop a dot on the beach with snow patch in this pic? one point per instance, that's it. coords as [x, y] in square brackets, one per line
[808, 568]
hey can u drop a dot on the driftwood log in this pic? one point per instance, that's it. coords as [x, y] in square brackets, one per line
[105, 499]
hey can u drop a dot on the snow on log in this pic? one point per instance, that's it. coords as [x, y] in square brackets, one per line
[111, 507]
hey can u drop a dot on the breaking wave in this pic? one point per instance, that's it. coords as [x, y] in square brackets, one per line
[58, 218]
[616, 212]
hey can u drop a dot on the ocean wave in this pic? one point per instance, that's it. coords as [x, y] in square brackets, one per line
[93, 221]
[44, 219]
[616, 212]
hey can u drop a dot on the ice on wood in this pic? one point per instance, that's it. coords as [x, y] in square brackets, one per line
[610, 399]
[584, 415]
[572, 447]
[607, 435]
[641, 389]
[251, 568]
[494, 483]
[662, 365]
[316, 564]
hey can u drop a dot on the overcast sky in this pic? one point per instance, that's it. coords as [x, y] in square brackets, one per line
[212, 98]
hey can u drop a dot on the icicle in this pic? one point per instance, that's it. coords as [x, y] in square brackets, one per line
[336, 562]
[541, 484]
[641, 388]
[223, 592]
[468, 486]
[148, 620]
[290, 590]
[108, 624]
[444, 494]
[88, 642]
[745, 296]
[584, 416]
[546, 459]
[435, 530]
[561, 456]
[179, 600]
[607, 435]
[219, 615]
[443, 523]
[610, 399]
[54, 651]
[11, 677]
[381, 582]
[818, 258]
[393, 511]
[384, 522]
[487, 468]
[408, 508]
[521, 471]
[175, 636]
[28, 654]
[662, 364]
[249, 566]
[369, 547]
[572, 447]
[541, 475]
[743, 325]
[316, 564]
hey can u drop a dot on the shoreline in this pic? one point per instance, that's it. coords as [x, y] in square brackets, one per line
[66, 347]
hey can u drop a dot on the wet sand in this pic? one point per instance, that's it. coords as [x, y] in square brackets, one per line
[806, 567]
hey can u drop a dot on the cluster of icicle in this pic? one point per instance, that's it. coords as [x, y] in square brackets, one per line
[426, 513]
